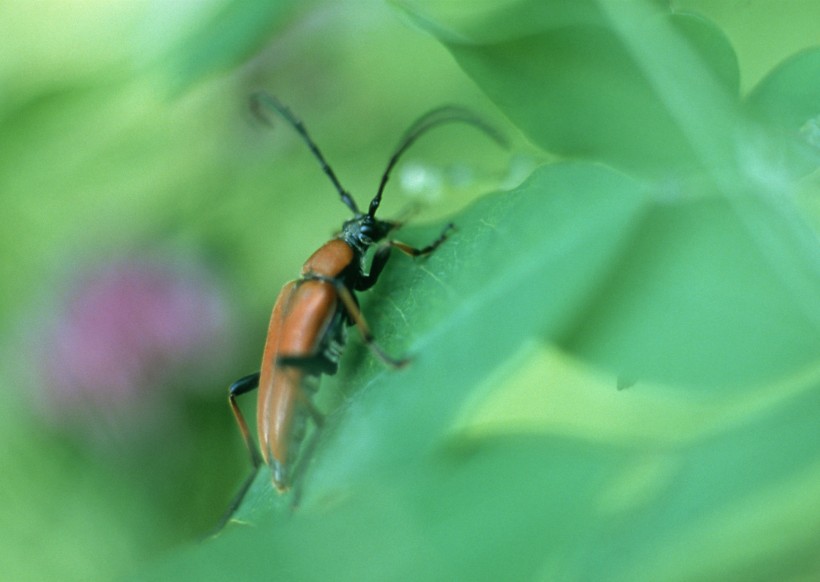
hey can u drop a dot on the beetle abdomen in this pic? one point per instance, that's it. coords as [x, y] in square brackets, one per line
[301, 319]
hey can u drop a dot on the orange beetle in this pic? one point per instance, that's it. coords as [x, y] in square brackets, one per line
[308, 326]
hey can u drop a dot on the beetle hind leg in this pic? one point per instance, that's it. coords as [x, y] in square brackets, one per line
[242, 386]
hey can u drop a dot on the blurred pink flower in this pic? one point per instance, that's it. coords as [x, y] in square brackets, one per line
[130, 336]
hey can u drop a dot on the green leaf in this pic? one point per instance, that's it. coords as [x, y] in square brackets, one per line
[762, 32]
[788, 102]
[627, 83]
[224, 39]
[710, 294]
[719, 288]
[555, 507]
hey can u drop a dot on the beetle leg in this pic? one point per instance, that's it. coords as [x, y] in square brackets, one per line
[414, 252]
[318, 417]
[352, 308]
[295, 479]
[355, 313]
[383, 254]
[307, 454]
[243, 386]
[376, 267]
[312, 364]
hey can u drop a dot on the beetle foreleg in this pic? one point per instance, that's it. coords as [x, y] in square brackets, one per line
[376, 267]
[414, 252]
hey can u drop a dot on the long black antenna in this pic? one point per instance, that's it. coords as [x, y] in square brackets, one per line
[262, 101]
[434, 118]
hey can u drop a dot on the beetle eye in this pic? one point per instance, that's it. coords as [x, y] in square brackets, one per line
[367, 231]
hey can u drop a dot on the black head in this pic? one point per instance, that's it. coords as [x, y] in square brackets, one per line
[364, 229]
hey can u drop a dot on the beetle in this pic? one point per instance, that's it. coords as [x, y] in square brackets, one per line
[308, 325]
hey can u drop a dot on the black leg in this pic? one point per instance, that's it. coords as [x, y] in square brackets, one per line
[243, 386]
[314, 364]
[356, 315]
[352, 308]
[376, 267]
[414, 252]
[383, 254]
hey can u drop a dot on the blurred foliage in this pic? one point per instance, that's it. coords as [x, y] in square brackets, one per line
[224, 39]
[673, 251]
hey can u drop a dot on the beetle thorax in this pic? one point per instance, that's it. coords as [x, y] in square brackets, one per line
[331, 259]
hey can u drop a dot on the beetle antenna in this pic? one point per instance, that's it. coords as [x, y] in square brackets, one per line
[434, 118]
[262, 102]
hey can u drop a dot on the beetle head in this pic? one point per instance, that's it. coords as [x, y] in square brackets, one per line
[363, 230]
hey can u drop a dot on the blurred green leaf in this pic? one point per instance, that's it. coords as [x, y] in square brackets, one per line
[89, 500]
[223, 40]
[724, 252]
[762, 32]
[788, 99]
[626, 83]
[703, 298]
[550, 507]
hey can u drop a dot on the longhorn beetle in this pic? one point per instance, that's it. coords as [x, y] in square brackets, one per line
[307, 329]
